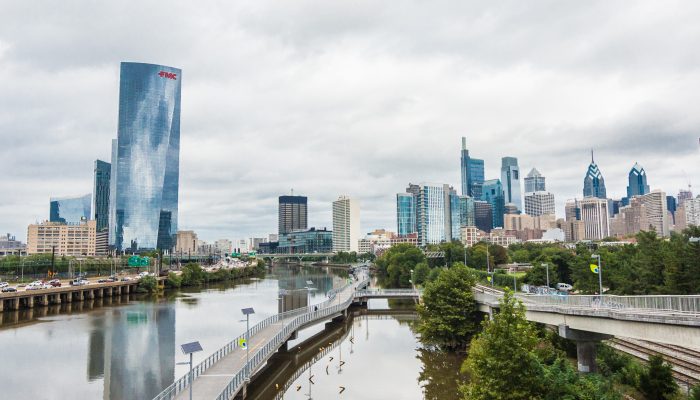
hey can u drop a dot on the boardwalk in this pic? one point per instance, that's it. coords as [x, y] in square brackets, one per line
[222, 375]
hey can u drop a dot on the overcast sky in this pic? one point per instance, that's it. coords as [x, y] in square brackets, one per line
[356, 98]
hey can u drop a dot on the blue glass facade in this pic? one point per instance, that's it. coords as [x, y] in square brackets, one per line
[455, 216]
[432, 214]
[637, 181]
[100, 194]
[493, 194]
[593, 183]
[308, 241]
[510, 179]
[466, 211]
[70, 210]
[146, 159]
[405, 214]
[472, 172]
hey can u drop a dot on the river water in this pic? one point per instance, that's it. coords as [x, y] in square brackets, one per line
[128, 347]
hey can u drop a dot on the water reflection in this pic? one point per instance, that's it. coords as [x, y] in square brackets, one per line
[126, 347]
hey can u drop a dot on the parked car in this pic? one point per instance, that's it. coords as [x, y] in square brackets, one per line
[8, 289]
[4, 285]
[55, 283]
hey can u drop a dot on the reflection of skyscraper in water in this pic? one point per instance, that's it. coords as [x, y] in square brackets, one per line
[134, 349]
[293, 291]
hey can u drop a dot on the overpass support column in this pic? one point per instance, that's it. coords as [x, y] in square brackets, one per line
[585, 346]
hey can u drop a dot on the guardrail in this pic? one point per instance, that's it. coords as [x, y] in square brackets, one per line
[388, 292]
[261, 355]
[676, 304]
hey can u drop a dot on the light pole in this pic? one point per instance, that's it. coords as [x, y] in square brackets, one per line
[190, 348]
[247, 312]
[547, 266]
[600, 275]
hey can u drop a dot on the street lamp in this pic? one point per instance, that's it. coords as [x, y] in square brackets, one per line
[190, 348]
[547, 266]
[600, 274]
[247, 312]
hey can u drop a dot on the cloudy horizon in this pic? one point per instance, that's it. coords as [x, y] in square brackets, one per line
[358, 99]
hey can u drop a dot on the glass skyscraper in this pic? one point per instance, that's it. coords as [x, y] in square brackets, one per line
[405, 214]
[146, 160]
[637, 182]
[510, 179]
[493, 194]
[70, 210]
[534, 182]
[472, 172]
[466, 211]
[455, 216]
[593, 183]
[292, 214]
[100, 194]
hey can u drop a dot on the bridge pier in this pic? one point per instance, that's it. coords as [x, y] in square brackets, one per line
[585, 346]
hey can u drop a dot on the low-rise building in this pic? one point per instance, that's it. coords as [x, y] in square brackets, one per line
[307, 241]
[186, 243]
[9, 246]
[63, 239]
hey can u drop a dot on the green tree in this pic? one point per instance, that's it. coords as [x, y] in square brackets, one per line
[521, 256]
[695, 393]
[397, 262]
[448, 312]
[502, 363]
[683, 263]
[149, 283]
[657, 381]
[193, 274]
[420, 273]
[499, 253]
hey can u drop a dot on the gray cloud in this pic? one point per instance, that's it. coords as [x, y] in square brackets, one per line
[356, 98]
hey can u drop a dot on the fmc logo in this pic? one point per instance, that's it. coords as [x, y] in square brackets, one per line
[168, 75]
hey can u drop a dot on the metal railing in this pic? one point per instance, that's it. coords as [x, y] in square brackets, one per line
[388, 293]
[675, 304]
[326, 309]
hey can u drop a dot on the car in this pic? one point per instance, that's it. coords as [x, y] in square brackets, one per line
[8, 289]
[564, 287]
[35, 286]
[55, 283]
[78, 282]
[4, 285]
[126, 279]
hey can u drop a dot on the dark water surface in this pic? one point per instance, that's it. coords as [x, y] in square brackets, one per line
[126, 348]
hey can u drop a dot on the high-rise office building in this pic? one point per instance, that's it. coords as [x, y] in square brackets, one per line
[594, 214]
[593, 183]
[684, 195]
[146, 161]
[539, 203]
[637, 181]
[534, 181]
[100, 194]
[70, 210]
[656, 212]
[346, 224]
[510, 179]
[492, 192]
[292, 214]
[455, 215]
[405, 214]
[472, 172]
[433, 213]
[466, 211]
[572, 211]
[483, 215]
[691, 212]
[671, 205]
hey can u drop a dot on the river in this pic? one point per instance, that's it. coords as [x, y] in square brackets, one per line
[128, 348]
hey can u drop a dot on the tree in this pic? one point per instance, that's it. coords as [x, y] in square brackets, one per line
[695, 393]
[657, 381]
[502, 363]
[521, 256]
[193, 274]
[397, 262]
[448, 312]
[420, 273]
[499, 253]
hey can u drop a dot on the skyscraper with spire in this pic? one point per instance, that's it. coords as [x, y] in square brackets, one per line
[637, 182]
[472, 170]
[593, 183]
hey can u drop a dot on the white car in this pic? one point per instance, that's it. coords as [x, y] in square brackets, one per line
[564, 287]
[36, 286]
[4, 285]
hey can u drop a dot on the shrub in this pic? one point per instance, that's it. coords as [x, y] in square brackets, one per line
[173, 281]
[149, 284]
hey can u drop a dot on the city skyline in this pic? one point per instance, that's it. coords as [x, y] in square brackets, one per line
[424, 85]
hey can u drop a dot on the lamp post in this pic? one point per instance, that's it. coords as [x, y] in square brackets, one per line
[247, 312]
[547, 266]
[190, 348]
[600, 275]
